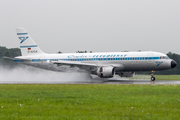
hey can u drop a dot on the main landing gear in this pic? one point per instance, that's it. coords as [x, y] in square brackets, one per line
[152, 75]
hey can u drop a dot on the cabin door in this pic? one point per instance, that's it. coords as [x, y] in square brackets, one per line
[150, 58]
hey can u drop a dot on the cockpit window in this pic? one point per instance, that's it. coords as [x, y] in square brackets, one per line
[163, 57]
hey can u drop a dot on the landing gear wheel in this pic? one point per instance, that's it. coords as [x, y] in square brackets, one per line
[152, 75]
[153, 78]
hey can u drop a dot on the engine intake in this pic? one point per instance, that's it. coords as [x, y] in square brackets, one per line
[105, 72]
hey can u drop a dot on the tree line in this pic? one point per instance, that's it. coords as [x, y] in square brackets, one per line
[13, 52]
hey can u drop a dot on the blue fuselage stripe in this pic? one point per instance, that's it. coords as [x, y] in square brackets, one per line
[101, 59]
[15, 60]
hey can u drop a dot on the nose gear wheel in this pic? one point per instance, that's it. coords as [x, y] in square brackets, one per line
[152, 75]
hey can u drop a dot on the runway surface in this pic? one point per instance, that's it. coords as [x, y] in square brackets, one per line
[94, 81]
[30, 75]
[129, 82]
[142, 82]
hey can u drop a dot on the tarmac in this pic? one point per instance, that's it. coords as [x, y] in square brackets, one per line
[141, 82]
[93, 81]
[115, 81]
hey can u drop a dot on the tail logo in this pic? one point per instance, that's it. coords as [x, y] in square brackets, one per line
[23, 39]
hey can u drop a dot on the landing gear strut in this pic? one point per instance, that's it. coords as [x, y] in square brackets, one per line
[152, 75]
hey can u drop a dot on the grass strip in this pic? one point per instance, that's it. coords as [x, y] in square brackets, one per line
[89, 102]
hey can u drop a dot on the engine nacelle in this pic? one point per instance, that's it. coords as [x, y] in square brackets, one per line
[105, 72]
[126, 74]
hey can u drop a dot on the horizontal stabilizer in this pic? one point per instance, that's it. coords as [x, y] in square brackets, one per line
[8, 58]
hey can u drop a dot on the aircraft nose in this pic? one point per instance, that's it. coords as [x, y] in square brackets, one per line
[173, 64]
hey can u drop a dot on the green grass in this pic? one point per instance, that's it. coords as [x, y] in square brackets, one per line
[158, 77]
[167, 77]
[89, 102]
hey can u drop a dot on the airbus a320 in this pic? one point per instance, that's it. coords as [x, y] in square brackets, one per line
[104, 65]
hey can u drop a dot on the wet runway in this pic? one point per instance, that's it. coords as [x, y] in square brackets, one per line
[129, 82]
[142, 82]
[28, 75]
[94, 81]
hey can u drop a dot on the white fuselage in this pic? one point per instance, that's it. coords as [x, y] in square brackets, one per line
[122, 61]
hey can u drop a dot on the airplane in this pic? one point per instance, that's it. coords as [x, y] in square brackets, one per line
[104, 65]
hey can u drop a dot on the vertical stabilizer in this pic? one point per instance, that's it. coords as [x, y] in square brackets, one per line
[27, 44]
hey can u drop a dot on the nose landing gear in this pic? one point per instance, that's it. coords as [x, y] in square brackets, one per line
[152, 75]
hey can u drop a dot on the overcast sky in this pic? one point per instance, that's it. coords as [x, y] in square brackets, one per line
[93, 25]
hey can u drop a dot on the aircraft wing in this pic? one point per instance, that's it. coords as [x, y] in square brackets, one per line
[73, 63]
[86, 66]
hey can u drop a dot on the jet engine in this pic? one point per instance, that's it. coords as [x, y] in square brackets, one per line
[105, 72]
[126, 74]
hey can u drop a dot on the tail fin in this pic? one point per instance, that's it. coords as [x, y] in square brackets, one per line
[27, 44]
